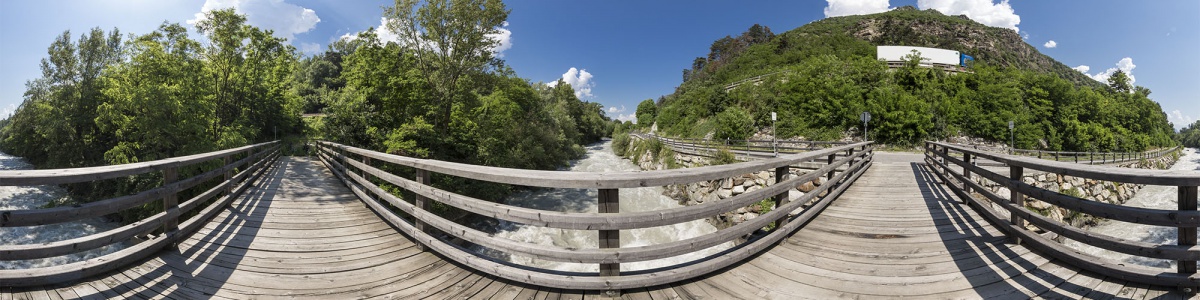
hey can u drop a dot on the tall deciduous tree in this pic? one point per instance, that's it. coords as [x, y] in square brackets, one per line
[452, 39]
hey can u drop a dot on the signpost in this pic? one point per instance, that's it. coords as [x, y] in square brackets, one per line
[865, 117]
[774, 140]
[1012, 139]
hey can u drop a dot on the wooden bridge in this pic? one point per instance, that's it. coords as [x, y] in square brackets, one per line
[354, 223]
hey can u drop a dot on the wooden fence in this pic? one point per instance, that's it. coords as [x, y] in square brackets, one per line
[946, 159]
[357, 168]
[148, 235]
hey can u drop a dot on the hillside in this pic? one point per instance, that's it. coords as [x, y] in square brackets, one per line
[907, 26]
[821, 76]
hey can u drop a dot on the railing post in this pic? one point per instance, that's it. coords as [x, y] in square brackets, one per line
[945, 161]
[829, 176]
[170, 201]
[608, 202]
[1187, 235]
[229, 175]
[363, 172]
[967, 171]
[782, 198]
[1017, 199]
[422, 203]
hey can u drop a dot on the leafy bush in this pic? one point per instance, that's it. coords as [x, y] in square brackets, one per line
[734, 124]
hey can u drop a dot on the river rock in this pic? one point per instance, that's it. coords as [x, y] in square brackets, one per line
[1106, 194]
[1041, 177]
[749, 216]
[1097, 189]
[764, 175]
[724, 193]
[760, 181]
[739, 180]
[749, 182]
[727, 183]
[710, 197]
[738, 190]
[1053, 177]
[741, 210]
[1028, 180]
[753, 188]
[1037, 204]
[806, 187]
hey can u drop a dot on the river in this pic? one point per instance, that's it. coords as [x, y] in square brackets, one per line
[33, 197]
[1150, 196]
[599, 158]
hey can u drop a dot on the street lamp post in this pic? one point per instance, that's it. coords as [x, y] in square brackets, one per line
[865, 117]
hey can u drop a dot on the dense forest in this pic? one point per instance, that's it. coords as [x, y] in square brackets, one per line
[821, 76]
[112, 99]
[1190, 135]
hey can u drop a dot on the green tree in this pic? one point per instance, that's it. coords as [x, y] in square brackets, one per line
[159, 105]
[734, 124]
[646, 113]
[452, 39]
[1119, 81]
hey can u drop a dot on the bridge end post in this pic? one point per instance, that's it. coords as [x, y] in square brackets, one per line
[170, 203]
[1017, 199]
[1187, 235]
[608, 201]
[782, 198]
[422, 203]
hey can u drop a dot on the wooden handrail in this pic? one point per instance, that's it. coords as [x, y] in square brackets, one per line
[233, 186]
[360, 176]
[1185, 218]
[64, 176]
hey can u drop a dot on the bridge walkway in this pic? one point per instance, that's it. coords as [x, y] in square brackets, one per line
[299, 233]
[897, 232]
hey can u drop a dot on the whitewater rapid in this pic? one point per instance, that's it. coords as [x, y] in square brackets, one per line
[1150, 196]
[33, 197]
[599, 158]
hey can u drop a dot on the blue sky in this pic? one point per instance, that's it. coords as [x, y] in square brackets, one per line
[627, 51]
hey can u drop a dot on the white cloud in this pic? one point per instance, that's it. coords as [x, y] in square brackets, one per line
[285, 19]
[1082, 69]
[580, 80]
[1125, 64]
[1051, 44]
[1180, 119]
[504, 37]
[629, 117]
[983, 11]
[839, 8]
[8, 111]
[310, 48]
[614, 109]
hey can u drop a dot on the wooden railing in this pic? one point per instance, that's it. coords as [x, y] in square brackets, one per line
[149, 235]
[742, 149]
[1091, 158]
[1186, 218]
[357, 168]
[1094, 158]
